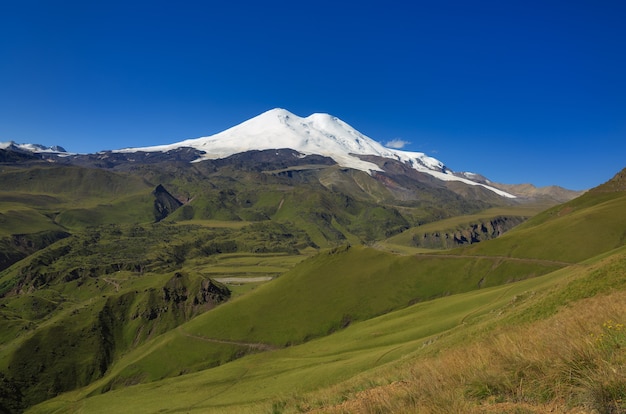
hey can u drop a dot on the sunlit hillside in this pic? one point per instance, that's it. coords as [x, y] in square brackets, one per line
[499, 326]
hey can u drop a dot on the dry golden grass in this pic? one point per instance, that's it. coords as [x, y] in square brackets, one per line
[573, 362]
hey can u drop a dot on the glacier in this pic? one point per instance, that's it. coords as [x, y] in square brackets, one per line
[319, 134]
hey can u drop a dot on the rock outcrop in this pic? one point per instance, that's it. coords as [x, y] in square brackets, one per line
[473, 233]
[164, 203]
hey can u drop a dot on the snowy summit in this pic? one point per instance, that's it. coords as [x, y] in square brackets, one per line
[34, 148]
[320, 134]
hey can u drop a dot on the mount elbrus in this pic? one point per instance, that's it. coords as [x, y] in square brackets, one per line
[118, 268]
[318, 135]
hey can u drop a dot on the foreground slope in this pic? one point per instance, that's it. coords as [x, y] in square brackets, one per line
[398, 347]
[584, 227]
[68, 311]
[342, 288]
[104, 278]
[318, 297]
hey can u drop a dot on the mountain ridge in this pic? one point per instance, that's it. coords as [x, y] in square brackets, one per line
[33, 148]
[147, 256]
[319, 134]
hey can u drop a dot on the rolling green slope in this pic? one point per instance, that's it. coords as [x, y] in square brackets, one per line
[379, 350]
[331, 204]
[134, 293]
[351, 309]
[320, 296]
[463, 229]
[45, 203]
[108, 289]
[329, 291]
[75, 182]
[571, 232]
[56, 197]
[329, 218]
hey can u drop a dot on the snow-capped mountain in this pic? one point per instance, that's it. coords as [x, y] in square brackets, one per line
[34, 148]
[319, 134]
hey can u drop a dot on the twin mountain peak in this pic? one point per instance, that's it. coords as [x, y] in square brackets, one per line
[318, 134]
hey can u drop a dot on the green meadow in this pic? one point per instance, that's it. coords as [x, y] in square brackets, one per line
[300, 299]
[367, 353]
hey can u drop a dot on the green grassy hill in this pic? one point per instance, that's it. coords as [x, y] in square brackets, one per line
[331, 204]
[108, 289]
[353, 318]
[397, 348]
[73, 183]
[115, 300]
[571, 232]
[41, 204]
[320, 296]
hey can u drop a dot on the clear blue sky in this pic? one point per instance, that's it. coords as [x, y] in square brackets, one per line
[519, 91]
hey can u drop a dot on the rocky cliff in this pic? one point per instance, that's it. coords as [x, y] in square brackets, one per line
[472, 233]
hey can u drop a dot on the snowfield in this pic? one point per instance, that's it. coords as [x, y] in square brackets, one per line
[320, 134]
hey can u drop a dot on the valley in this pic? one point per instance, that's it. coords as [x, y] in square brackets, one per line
[278, 281]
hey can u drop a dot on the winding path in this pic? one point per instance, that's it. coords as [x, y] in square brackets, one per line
[115, 284]
[251, 345]
[507, 258]
[379, 246]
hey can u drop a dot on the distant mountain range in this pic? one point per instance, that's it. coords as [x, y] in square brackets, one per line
[34, 148]
[316, 135]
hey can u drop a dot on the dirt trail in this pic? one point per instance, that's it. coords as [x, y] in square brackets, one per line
[379, 246]
[243, 279]
[115, 284]
[506, 258]
[259, 346]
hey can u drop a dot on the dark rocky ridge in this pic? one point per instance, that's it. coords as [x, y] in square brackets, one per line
[164, 203]
[262, 160]
[124, 161]
[473, 233]
[10, 155]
